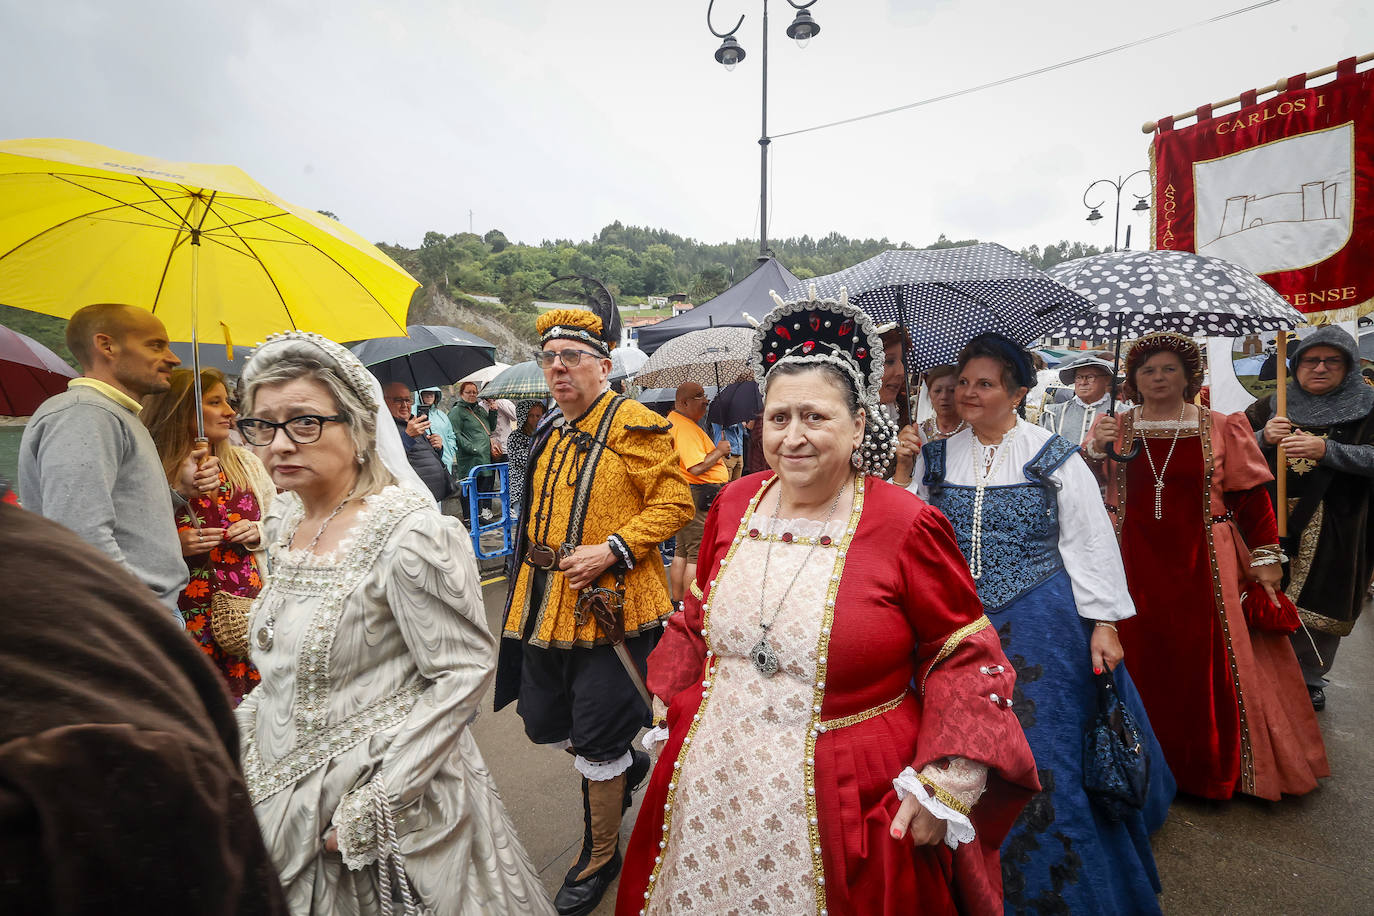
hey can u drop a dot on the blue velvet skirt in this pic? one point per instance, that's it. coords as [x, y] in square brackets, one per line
[1062, 855]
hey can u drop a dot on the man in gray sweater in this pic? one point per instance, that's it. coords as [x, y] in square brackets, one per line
[86, 461]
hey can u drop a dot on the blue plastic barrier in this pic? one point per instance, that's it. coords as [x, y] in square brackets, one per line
[478, 499]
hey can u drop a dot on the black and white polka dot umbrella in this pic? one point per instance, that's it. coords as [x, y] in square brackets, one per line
[711, 356]
[1139, 292]
[944, 297]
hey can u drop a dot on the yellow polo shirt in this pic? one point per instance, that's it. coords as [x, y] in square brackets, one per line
[110, 391]
[693, 445]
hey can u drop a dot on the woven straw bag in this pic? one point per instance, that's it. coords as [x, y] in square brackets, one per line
[229, 616]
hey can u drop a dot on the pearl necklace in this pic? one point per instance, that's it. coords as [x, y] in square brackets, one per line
[267, 632]
[983, 471]
[1159, 474]
[763, 655]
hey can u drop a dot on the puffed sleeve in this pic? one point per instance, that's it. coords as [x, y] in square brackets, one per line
[652, 465]
[435, 596]
[964, 680]
[1087, 544]
[679, 659]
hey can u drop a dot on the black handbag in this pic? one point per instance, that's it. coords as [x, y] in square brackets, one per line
[1116, 767]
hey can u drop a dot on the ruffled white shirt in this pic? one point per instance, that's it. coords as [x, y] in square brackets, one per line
[1087, 542]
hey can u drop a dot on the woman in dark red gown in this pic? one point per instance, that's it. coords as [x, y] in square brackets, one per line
[1226, 698]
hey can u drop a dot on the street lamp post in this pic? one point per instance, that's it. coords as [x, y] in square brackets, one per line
[730, 53]
[1096, 214]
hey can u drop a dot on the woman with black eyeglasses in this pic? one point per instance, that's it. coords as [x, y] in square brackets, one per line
[372, 642]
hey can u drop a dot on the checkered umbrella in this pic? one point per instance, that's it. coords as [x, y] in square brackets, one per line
[1137, 292]
[523, 380]
[944, 297]
[714, 356]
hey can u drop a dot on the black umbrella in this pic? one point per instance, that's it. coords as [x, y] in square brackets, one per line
[431, 356]
[945, 297]
[736, 403]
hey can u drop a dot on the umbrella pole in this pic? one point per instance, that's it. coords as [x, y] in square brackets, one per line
[1134, 451]
[195, 343]
[1280, 462]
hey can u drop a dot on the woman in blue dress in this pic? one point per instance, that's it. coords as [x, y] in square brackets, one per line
[1031, 523]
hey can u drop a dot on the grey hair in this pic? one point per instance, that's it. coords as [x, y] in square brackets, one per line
[360, 422]
[833, 374]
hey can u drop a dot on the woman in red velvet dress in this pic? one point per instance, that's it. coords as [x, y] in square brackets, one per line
[839, 737]
[1226, 698]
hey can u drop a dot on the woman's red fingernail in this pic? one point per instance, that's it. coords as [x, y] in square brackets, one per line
[896, 834]
[1097, 671]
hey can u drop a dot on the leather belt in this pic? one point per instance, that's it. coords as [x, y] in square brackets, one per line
[541, 556]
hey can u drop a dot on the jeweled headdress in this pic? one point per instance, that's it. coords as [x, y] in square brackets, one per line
[815, 331]
[1187, 349]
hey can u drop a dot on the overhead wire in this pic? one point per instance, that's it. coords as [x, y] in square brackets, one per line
[1030, 73]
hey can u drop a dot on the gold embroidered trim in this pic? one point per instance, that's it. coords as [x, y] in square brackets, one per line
[945, 797]
[1247, 759]
[705, 697]
[818, 695]
[1307, 550]
[831, 724]
[695, 590]
[952, 643]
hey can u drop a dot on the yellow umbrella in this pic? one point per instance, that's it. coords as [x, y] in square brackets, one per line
[200, 246]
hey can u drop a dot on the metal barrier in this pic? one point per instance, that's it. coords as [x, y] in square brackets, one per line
[478, 499]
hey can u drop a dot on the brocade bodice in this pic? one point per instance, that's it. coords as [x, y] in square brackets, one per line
[1020, 527]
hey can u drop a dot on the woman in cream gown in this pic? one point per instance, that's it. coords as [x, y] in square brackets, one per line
[370, 791]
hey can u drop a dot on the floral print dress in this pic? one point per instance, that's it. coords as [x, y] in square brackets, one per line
[227, 567]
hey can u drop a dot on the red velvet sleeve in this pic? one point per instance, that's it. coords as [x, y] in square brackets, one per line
[1254, 515]
[1235, 450]
[956, 646]
[679, 659]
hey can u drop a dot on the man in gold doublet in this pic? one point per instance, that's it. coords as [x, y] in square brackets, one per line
[604, 491]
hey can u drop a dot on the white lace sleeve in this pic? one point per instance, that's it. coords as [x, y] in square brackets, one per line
[948, 792]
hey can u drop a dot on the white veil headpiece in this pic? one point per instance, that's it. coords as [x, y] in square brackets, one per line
[389, 448]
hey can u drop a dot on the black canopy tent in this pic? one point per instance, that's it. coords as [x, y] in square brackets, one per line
[726, 310]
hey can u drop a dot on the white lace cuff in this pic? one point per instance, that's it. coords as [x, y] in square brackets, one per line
[355, 821]
[600, 771]
[959, 829]
[654, 737]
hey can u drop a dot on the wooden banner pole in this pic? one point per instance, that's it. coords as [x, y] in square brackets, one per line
[1280, 462]
[1150, 127]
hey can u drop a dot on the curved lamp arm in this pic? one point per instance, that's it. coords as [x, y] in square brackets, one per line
[732, 31]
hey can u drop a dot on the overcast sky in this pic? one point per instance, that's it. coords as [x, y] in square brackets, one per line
[550, 118]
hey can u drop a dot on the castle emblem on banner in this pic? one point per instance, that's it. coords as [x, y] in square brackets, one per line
[1281, 206]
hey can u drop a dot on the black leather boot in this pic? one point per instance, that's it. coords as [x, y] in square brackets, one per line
[599, 864]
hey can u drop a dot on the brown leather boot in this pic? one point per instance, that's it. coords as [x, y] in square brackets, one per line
[599, 864]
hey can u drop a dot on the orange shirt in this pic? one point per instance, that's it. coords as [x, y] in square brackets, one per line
[693, 445]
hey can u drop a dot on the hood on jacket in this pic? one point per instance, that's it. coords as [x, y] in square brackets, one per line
[1327, 336]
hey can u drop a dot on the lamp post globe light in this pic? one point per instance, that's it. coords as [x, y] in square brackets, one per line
[730, 53]
[1095, 212]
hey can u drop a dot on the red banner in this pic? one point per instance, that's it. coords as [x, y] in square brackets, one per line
[1282, 187]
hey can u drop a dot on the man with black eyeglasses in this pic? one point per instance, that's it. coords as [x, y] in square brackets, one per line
[423, 448]
[1328, 443]
[603, 491]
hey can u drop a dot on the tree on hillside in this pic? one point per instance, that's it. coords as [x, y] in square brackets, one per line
[497, 240]
[515, 296]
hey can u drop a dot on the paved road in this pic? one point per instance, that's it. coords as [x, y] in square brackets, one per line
[1306, 855]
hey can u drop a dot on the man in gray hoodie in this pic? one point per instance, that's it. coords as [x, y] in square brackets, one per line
[1328, 442]
[86, 462]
